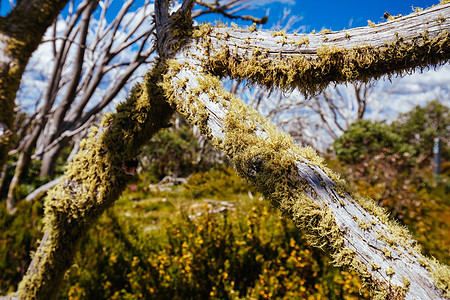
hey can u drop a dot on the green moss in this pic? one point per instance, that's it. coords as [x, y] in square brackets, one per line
[331, 64]
[93, 181]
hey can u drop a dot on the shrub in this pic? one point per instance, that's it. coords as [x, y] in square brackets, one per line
[253, 253]
[364, 139]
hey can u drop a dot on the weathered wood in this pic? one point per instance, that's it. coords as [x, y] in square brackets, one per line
[431, 22]
[361, 235]
[294, 179]
[311, 61]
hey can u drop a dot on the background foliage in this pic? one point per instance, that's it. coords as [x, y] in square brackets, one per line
[214, 237]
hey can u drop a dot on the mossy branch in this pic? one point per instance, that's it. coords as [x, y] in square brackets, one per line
[93, 181]
[293, 178]
[356, 231]
[311, 61]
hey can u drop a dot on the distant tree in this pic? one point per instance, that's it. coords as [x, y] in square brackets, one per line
[365, 139]
[422, 125]
[411, 134]
[186, 78]
[91, 62]
[319, 120]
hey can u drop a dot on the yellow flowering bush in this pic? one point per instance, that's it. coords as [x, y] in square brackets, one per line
[249, 253]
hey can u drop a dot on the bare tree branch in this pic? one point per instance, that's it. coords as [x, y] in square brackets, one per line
[393, 47]
[24, 40]
[224, 9]
[40, 191]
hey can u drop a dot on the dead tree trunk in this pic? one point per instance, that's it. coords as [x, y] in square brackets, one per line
[18, 40]
[358, 233]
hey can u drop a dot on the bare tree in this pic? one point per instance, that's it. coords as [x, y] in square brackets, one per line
[17, 43]
[92, 61]
[187, 78]
[319, 120]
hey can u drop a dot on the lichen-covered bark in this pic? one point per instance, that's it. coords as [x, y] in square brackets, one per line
[93, 181]
[21, 32]
[357, 231]
[294, 179]
[310, 62]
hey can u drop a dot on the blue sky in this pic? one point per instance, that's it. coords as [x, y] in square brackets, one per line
[338, 15]
[334, 15]
[330, 14]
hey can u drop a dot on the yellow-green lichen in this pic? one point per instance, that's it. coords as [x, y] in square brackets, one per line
[441, 19]
[390, 271]
[375, 266]
[406, 283]
[441, 276]
[92, 182]
[279, 33]
[364, 225]
[303, 42]
[331, 64]
[387, 252]
[252, 28]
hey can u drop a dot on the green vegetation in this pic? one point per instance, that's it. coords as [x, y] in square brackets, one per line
[410, 137]
[169, 243]
[392, 164]
[152, 248]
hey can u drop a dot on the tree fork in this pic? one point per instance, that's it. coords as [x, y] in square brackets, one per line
[293, 178]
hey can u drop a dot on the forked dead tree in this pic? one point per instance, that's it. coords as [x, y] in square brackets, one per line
[187, 79]
[90, 63]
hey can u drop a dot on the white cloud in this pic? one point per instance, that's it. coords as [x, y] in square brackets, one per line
[418, 89]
